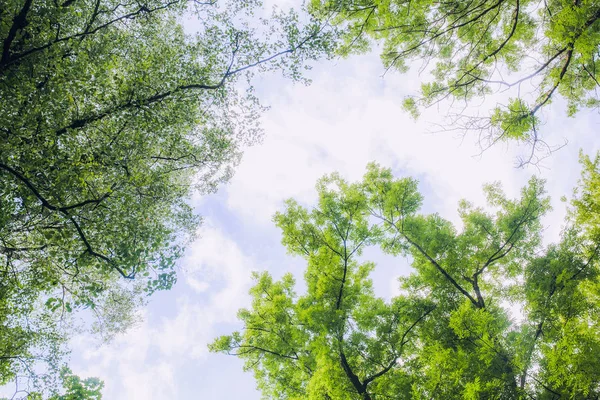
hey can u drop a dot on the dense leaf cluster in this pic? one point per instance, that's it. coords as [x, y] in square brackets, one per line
[487, 313]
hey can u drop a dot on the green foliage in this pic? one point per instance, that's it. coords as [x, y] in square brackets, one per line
[453, 332]
[516, 121]
[587, 201]
[474, 47]
[77, 389]
[72, 388]
[111, 116]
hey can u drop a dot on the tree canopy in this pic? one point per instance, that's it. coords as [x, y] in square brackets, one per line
[111, 116]
[488, 312]
[114, 112]
[540, 48]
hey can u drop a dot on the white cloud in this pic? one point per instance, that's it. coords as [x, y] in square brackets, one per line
[216, 268]
[124, 366]
[216, 265]
[344, 121]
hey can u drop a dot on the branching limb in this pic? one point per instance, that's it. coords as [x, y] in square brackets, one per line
[403, 341]
[43, 200]
[19, 22]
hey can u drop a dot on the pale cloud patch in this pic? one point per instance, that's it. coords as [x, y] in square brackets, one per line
[341, 123]
[154, 381]
[124, 366]
[215, 265]
[187, 334]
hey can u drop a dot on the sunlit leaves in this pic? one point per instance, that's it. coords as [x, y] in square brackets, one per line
[455, 331]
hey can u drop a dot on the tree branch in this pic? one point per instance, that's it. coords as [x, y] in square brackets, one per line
[256, 348]
[83, 122]
[19, 22]
[441, 270]
[402, 343]
[91, 251]
[358, 386]
[65, 211]
[43, 200]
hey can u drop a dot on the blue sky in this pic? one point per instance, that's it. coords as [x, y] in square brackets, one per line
[348, 117]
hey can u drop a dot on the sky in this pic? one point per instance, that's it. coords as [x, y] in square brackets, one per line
[348, 117]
